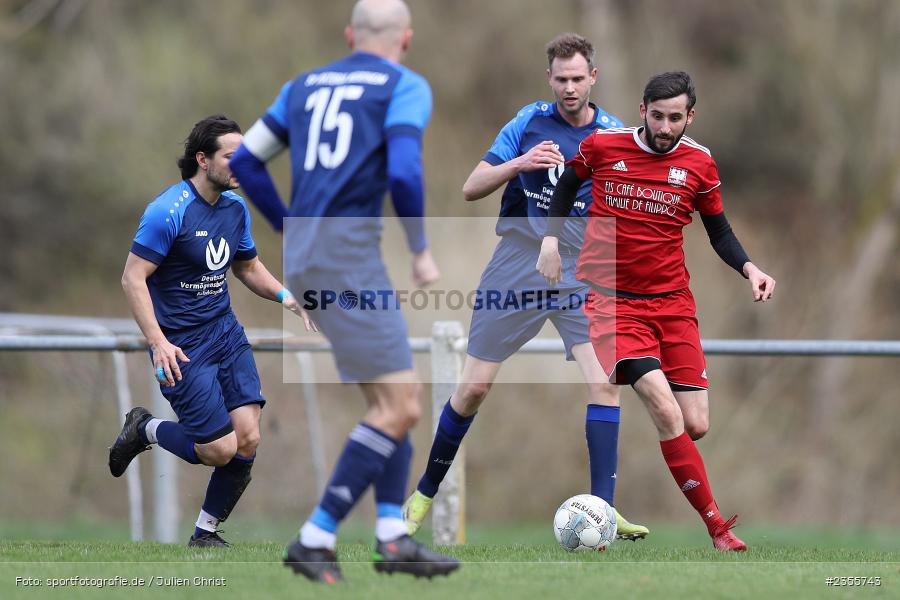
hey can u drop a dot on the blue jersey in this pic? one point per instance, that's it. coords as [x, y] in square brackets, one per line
[526, 199]
[194, 244]
[336, 120]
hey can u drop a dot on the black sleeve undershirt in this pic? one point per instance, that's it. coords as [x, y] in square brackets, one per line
[724, 242]
[562, 201]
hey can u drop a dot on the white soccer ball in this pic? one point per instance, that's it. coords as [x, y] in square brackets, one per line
[585, 522]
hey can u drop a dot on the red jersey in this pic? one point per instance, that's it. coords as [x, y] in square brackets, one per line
[651, 197]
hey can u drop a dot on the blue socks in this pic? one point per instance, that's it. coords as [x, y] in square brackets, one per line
[451, 430]
[361, 463]
[170, 435]
[602, 431]
[390, 492]
[390, 487]
[226, 485]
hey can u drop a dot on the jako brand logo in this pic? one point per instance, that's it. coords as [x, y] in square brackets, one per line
[217, 257]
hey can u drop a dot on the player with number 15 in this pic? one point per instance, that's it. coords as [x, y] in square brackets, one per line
[354, 130]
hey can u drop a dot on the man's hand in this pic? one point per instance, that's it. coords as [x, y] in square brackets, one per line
[424, 270]
[166, 357]
[291, 304]
[545, 155]
[549, 264]
[761, 284]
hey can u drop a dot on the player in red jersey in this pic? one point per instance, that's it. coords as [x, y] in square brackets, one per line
[646, 183]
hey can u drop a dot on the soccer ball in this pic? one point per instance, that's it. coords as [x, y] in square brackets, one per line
[585, 522]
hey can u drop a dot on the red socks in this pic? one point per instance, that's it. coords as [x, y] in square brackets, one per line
[686, 465]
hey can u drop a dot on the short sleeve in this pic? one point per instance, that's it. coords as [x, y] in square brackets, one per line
[246, 247]
[709, 193]
[605, 120]
[582, 162]
[410, 106]
[276, 117]
[508, 143]
[156, 233]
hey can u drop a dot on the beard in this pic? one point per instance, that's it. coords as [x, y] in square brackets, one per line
[222, 181]
[652, 139]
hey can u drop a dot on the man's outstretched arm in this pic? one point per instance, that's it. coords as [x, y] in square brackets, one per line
[729, 249]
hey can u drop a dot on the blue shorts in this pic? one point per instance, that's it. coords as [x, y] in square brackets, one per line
[221, 376]
[361, 320]
[514, 302]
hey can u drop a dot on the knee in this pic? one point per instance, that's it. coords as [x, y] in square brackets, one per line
[219, 452]
[405, 410]
[671, 418]
[248, 442]
[412, 408]
[471, 395]
[413, 416]
[697, 428]
[604, 393]
[667, 417]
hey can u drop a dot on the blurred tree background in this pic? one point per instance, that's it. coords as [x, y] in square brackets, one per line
[797, 100]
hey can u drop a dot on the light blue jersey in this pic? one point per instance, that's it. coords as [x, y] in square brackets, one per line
[526, 199]
[495, 334]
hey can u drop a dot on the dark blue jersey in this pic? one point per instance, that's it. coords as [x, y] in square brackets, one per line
[526, 199]
[336, 120]
[194, 244]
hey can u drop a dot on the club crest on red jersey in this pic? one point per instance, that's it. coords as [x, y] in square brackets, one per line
[677, 176]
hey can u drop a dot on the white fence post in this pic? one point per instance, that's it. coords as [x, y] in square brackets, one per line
[448, 510]
[313, 419]
[166, 512]
[133, 474]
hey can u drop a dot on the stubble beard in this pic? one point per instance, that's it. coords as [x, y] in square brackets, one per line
[221, 183]
[651, 139]
[575, 111]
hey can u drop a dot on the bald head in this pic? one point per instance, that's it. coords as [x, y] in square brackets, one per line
[380, 25]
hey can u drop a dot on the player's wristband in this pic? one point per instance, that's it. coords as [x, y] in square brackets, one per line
[282, 294]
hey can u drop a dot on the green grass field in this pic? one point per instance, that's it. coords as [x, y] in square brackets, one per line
[510, 562]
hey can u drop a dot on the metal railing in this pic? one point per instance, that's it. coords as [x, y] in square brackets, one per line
[446, 346]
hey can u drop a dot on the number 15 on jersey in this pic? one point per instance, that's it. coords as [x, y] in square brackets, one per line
[325, 104]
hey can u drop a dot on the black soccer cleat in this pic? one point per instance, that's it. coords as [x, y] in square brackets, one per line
[316, 564]
[128, 444]
[406, 555]
[207, 539]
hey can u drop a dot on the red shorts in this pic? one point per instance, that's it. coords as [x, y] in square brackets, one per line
[664, 328]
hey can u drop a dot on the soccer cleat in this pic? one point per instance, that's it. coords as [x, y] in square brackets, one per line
[316, 564]
[208, 539]
[414, 510]
[128, 444]
[629, 531]
[725, 540]
[406, 555]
